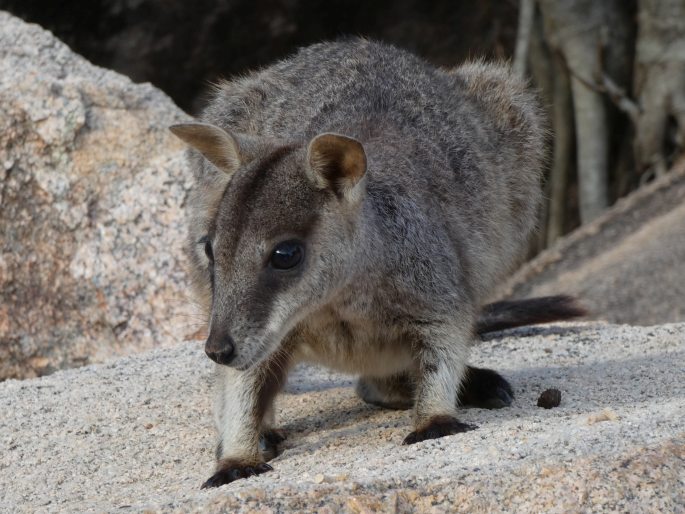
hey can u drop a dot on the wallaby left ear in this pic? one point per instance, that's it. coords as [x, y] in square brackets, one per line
[336, 162]
[218, 146]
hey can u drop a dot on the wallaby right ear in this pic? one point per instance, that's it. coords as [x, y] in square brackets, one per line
[218, 146]
[336, 162]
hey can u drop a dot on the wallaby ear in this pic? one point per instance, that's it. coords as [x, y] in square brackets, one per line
[218, 146]
[336, 162]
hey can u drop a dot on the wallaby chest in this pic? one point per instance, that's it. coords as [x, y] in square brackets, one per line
[352, 344]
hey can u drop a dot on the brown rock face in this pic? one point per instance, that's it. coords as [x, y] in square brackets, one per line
[628, 266]
[91, 193]
[180, 46]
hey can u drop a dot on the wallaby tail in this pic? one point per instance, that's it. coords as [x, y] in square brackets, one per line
[531, 311]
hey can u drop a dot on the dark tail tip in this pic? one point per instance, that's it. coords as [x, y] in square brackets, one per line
[530, 311]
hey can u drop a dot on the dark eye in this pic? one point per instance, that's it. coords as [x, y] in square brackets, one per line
[287, 255]
[208, 247]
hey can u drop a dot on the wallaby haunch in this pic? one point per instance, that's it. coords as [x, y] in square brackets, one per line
[353, 207]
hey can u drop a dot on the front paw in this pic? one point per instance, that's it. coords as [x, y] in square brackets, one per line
[436, 427]
[230, 470]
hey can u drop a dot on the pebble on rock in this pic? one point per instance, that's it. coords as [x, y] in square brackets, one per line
[549, 398]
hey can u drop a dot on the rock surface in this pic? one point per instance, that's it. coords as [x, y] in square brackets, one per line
[628, 266]
[92, 187]
[135, 434]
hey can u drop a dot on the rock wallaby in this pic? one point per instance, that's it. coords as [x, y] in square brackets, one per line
[353, 207]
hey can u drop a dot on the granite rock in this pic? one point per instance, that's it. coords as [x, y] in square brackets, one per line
[92, 188]
[136, 435]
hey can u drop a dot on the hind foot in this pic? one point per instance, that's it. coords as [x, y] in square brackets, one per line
[486, 389]
[483, 388]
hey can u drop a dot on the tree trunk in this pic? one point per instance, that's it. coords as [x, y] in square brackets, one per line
[525, 28]
[541, 70]
[660, 84]
[592, 149]
[579, 30]
[562, 119]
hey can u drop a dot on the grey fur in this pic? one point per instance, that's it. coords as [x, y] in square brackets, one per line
[398, 262]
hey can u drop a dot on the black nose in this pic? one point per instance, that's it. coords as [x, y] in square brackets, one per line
[220, 351]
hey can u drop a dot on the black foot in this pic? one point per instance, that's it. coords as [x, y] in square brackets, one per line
[269, 441]
[230, 471]
[486, 389]
[438, 427]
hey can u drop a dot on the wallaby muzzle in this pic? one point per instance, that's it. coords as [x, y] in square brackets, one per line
[220, 347]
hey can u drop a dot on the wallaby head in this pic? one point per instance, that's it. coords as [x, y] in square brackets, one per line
[275, 236]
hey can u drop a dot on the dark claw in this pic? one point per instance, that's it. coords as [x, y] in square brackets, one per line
[486, 389]
[235, 471]
[438, 427]
[261, 468]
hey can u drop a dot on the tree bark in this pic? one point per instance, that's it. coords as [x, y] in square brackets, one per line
[660, 84]
[541, 70]
[525, 28]
[579, 30]
[562, 120]
[592, 150]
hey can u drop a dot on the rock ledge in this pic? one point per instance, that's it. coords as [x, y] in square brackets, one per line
[135, 434]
